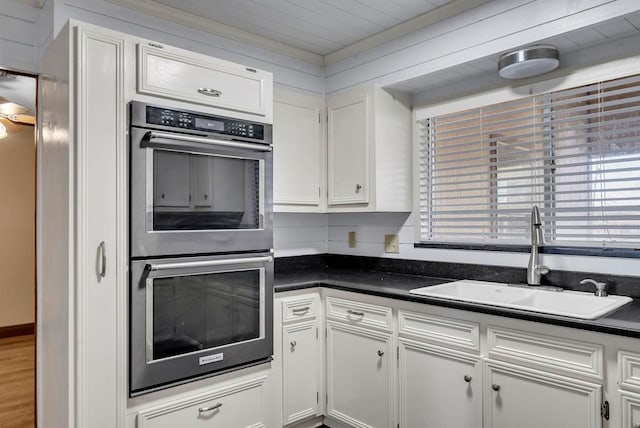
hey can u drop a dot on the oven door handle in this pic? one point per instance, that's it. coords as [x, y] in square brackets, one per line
[207, 263]
[179, 138]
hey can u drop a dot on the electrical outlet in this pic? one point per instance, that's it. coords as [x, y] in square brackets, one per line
[352, 240]
[391, 244]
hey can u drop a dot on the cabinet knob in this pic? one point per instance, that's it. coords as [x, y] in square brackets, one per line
[495, 387]
[358, 187]
[467, 378]
[380, 353]
[293, 343]
[162, 196]
[206, 196]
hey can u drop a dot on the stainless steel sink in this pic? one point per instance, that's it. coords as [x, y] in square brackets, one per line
[573, 304]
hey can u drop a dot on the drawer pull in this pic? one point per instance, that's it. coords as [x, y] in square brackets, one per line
[210, 408]
[355, 313]
[209, 92]
[495, 387]
[467, 378]
[300, 310]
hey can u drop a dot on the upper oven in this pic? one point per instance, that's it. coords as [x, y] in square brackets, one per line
[199, 183]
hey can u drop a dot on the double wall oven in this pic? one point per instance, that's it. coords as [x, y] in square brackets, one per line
[201, 239]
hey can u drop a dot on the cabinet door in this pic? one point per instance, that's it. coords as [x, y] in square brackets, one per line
[435, 380]
[298, 151]
[100, 158]
[348, 149]
[201, 166]
[360, 376]
[630, 410]
[301, 368]
[525, 398]
[186, 76]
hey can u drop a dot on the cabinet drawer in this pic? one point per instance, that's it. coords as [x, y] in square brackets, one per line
[543, 352]
[238, 406]
[358, 313]
[186, 76]
[629, 370]
[300, 308]
[443, 331]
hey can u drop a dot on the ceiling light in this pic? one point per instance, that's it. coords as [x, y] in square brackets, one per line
[528, 62]
[3, 131]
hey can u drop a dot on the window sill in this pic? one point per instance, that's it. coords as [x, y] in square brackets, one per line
[631, 253]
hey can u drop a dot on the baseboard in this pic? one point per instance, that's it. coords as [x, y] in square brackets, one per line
[17, 330]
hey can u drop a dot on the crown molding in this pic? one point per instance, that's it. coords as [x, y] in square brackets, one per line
[439, 14]
[159, 10]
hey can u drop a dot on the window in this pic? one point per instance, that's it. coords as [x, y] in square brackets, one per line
[575, 153]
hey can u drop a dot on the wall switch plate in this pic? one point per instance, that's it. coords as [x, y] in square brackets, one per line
[391, 244]
[352, 240]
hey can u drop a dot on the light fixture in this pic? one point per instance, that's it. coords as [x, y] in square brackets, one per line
[528, 62]
[3, 131]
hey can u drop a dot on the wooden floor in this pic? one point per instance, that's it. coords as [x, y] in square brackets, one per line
[17, 382]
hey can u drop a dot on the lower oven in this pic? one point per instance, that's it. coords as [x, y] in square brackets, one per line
[192, 317]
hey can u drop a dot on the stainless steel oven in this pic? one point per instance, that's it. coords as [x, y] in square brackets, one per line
[193, 316]
[199, 183]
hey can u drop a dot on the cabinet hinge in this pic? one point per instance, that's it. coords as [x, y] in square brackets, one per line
[604, 410]
[318, 397]
[319, 190]
[326, 399]
[319, 118]
[316, 332]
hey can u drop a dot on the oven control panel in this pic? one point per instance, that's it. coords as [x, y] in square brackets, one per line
[199, 122]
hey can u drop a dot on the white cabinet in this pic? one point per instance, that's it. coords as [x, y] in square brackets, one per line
[82, 290]
[237, 406]
[190, 77]
[299, 151]
[517, 396]
[360, 365]
[369, 150]
[439, 369]
[301, 357]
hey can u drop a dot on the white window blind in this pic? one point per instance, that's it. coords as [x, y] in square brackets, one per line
[575, 153]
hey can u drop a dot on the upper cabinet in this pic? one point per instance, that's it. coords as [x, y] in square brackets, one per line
[299, 151]
[190, 77]
[369, 150]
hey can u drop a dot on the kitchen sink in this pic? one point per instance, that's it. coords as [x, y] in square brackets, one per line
[573, 304]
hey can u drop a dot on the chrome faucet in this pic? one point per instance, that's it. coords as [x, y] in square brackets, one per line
[534, 269]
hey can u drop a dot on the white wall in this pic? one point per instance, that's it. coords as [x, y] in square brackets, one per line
[299, 234]
[18, 36]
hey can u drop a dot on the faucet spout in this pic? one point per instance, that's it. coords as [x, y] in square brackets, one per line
[534, 269]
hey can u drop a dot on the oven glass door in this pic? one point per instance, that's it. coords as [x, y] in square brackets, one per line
[190, 191]
[191, 316]
[199, 195]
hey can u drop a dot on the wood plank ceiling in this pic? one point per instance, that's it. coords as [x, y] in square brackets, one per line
[320, 27]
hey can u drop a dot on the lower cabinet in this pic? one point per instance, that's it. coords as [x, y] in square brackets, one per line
[237, 406]
[360, 376]
[438, 387]
[527, 398]
[630, 410]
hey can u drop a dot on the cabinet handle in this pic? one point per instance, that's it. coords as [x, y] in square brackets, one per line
[356, 313]
[293, 344]
[300, 310]
[380, 353]
[102, 260]
[209, 92]
[358, 187]
[495, 387]
[210, 408]
[467, 378]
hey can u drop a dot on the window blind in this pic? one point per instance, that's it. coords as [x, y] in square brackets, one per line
[575, 153]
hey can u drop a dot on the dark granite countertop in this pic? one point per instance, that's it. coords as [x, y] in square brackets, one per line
[623, 322]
